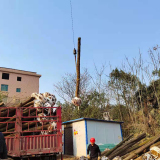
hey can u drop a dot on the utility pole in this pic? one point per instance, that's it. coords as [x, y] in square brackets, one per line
[78, 68]
[77, 101]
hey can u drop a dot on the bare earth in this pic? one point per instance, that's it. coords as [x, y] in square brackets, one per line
[65, 157]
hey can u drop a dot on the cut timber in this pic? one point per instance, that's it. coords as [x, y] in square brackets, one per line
[156, 144]
[9, 120]
[107, 153]
[25, 102]
[44, 127]
[27, 110]
[30, 118]
[133, 149]
[1, 104]
[125, 146]
[136, 146]
[19, 105]
[141, 149]
[126, 155]
[26, 125]
[139, 158]
[10, 126]
[8, 112]
[12, 112]
[4, 109]
[28, 104]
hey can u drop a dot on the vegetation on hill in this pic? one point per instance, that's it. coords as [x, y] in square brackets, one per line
[130, 93]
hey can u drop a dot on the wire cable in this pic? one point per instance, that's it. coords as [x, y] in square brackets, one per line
[72, 22]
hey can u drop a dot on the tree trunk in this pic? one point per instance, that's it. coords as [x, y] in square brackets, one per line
[126, 146]
[8, 113]
[12, 112]
[28, 104]
[19, 105]
[136, 146]
[45, 127]
[1, 104]
[141, 149]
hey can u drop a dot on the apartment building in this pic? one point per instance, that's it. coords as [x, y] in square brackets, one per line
[17, 85]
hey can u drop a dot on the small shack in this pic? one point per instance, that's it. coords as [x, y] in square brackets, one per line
[77, 134]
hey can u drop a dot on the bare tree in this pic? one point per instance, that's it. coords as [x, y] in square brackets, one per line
[98, 78]
[99, 81]
[67, 86]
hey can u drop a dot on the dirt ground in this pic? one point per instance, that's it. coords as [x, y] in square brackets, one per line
[66, 157]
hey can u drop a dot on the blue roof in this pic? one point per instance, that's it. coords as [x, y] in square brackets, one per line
[90, 119]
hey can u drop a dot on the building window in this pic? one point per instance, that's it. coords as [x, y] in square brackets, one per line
[5, 76]
[18, 89]
[19, 78]
[4, 87]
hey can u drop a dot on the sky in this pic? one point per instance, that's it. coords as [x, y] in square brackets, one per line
[36, 35]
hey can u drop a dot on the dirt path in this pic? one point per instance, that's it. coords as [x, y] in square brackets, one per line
[65, 157]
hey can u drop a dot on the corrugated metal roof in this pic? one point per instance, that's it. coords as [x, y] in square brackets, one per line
[90, 119]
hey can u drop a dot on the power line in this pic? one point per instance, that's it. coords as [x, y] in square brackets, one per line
[72, 22]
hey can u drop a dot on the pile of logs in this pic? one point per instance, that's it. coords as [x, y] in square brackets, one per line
[139, 148]
[37, 115]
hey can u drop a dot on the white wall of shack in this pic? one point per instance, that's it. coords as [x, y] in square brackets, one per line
[104, 133]
[79, 140]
